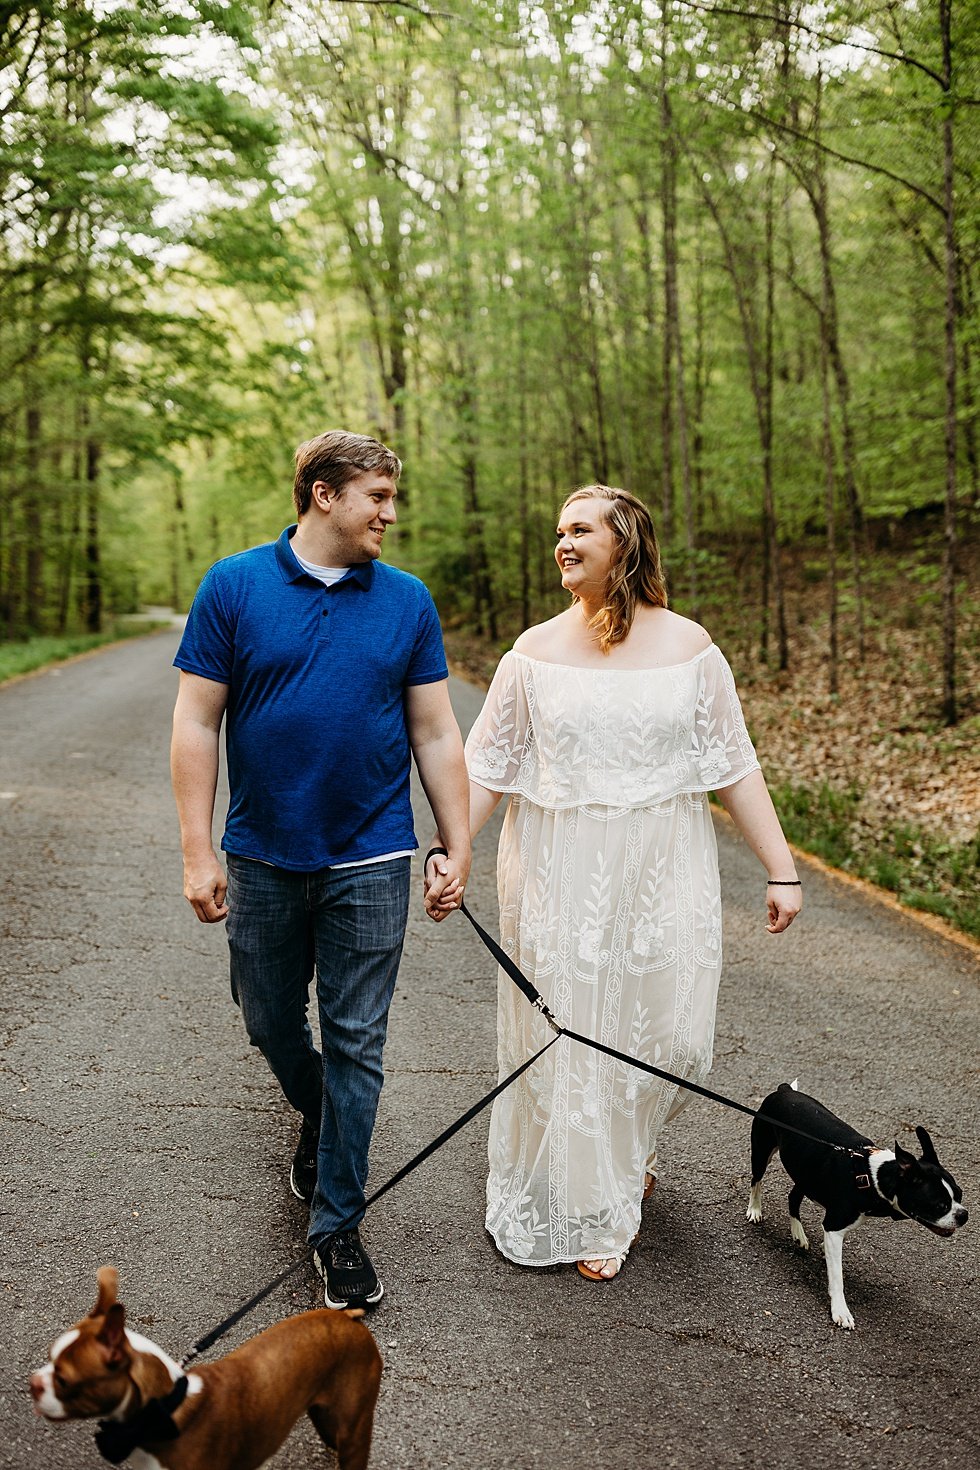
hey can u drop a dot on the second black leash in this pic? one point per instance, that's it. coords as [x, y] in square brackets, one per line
[537, 1000]
[210, 1338]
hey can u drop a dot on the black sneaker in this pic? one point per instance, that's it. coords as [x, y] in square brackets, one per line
[302, 1176]
[348, 1276]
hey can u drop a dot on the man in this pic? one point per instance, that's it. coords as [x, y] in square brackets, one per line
[330, 669]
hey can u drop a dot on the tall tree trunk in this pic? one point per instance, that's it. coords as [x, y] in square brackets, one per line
[466, 399]
[766, 430]
[92, 599]
[828, 336]
[758, 340]
[593, 362]
[181, 550]
[672, 319]
[830, 482]
[33, 532]
[700, 395]
[33, 607]
[523, 487]
[394, 371]
[69, 543]
[813, 179]
[842, 380]
[650, 460]
[968, 417]
[950, 325]
[668, 205]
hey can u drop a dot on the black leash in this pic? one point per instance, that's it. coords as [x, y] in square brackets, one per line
[210, 1338]
[534, 996]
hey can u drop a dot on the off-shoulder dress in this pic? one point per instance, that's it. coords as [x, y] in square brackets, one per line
[607, 877]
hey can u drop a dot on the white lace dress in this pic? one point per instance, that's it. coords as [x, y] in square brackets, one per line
[607, 878]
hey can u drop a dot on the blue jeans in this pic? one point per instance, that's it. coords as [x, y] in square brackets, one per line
[346, 926]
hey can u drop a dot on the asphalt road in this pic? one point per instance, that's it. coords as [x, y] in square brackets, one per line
[138, 1127]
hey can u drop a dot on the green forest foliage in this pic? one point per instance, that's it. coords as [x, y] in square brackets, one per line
[721, 254]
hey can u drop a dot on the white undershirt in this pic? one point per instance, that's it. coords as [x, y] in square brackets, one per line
[328, 576]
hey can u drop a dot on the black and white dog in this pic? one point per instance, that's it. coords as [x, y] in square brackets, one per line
[857, 1178]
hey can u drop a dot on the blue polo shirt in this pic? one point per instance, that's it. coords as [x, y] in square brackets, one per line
[319, 759]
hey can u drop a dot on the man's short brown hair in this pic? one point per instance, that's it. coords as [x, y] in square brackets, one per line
[336, 458]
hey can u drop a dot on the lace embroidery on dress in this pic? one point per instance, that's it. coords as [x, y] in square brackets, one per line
[609, 901]
[652, 733]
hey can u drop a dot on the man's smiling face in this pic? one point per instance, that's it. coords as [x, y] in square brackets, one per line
[359, 517]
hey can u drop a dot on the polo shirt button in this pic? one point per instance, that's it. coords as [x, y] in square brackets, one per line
[326, 612]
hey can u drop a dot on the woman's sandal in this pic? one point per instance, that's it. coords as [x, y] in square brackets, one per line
[587, 1268]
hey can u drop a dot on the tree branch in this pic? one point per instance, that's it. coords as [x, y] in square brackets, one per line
[423, 10]
[753, 114]
[797, 25]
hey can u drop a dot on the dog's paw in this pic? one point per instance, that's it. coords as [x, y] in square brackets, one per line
[842, 1316]
[754, 1210]
[798, 1233]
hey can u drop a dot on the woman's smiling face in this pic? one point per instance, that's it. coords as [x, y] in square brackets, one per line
[586, 548]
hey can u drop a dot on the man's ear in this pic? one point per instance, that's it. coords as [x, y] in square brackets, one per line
[323, 494]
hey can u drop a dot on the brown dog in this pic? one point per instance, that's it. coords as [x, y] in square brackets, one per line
[233, 1414]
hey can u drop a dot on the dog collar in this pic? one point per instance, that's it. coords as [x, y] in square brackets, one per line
[871, 1150]
[116, 1440]
[861, 1163]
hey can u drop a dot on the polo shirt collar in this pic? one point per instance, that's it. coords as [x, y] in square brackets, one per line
[289, 567]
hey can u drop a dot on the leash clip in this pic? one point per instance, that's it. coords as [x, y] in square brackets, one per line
[539, 1005]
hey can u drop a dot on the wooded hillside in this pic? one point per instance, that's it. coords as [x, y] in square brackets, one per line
[722, 254]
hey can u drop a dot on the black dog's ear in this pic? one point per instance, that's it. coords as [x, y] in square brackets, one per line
[903, 1158]
[929, 1155]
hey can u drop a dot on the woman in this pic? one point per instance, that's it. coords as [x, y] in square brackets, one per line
[607, 726]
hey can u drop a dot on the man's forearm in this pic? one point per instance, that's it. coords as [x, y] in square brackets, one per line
[194, 773]
[442, 771]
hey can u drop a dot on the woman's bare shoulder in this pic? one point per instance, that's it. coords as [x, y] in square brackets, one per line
[678, 638]
[541, 640]
[691, 634]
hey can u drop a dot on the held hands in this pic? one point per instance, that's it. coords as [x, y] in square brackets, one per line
[205, 886]
[784, 899]
[444, 879]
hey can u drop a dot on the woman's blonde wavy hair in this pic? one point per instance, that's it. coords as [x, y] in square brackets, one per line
[636, 574]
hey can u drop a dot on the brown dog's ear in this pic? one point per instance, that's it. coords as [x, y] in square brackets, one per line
[929, 1155]
[112, 1337]
[108, 1279]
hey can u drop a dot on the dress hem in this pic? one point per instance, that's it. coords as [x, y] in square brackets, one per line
[557, 1260]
